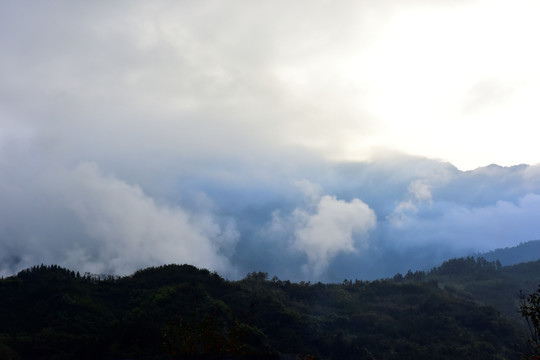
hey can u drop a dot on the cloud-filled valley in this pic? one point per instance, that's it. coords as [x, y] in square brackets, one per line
[361, 220]
[304, 141]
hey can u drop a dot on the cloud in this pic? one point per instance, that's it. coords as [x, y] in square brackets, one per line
[312, 192]
[327, 227]
[154, 81]
[197, 131]
[494, 226]
[487, 93]
[429, 211]
[420, 190]
[471, 211]
[90, 221]
[413, 214]
[456, 227]
[419, 193]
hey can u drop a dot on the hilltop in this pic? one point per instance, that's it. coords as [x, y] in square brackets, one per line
[461, 309]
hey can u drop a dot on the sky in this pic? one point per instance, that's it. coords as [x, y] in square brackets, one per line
[308, 139]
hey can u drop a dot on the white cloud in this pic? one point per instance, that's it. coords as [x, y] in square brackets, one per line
[98, 223]
[418, 194]
[420, 190]
[335, 227]
[312, 192]
[339, 82]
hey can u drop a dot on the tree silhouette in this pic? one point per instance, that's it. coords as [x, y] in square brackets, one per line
[530, 310]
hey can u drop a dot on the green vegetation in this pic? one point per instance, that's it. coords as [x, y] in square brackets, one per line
[488, 282]
[465, 309]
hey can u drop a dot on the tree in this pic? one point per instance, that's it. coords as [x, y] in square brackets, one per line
[530, 310]
[258, 276]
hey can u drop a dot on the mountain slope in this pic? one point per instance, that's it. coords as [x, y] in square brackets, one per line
[179, 311]
[524, 252]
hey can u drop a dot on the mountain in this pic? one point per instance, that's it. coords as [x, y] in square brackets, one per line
[488, 282]
[527, 251]
[182, 312]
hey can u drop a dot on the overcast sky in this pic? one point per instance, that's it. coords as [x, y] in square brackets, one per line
[302, 137]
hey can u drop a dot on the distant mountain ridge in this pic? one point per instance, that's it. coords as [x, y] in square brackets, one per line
[524, 252]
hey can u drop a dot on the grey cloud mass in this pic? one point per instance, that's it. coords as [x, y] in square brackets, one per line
[84, 219]
[221, 134]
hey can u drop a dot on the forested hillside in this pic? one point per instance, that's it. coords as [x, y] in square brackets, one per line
[488, 282]
[179, 311]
